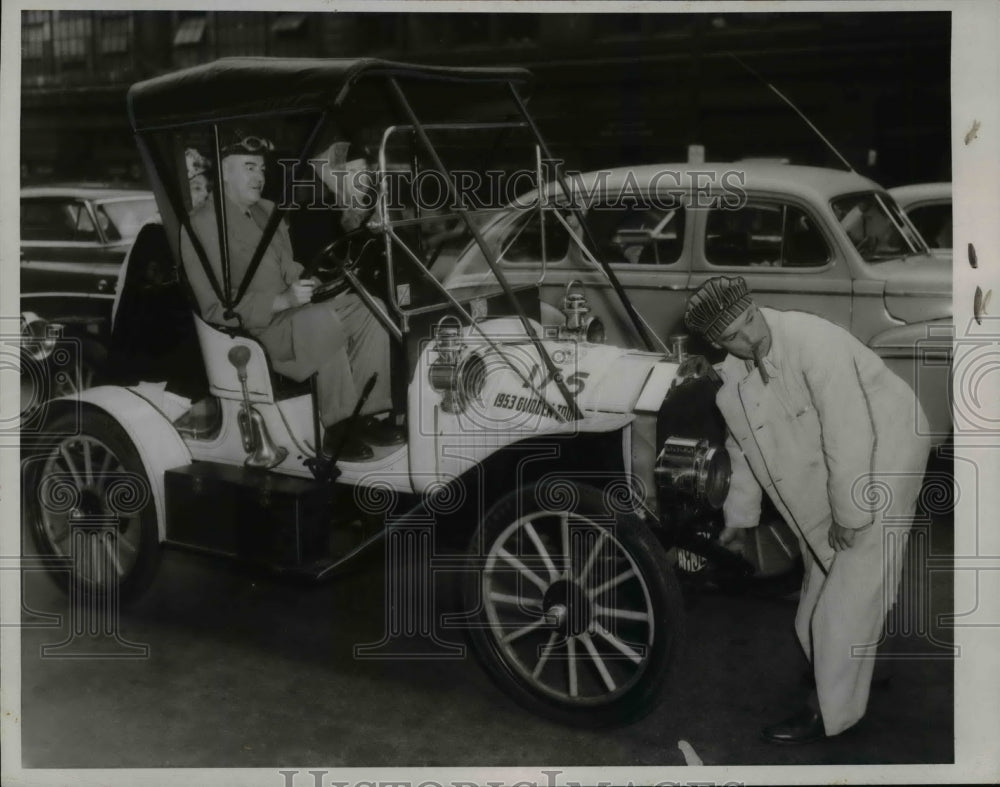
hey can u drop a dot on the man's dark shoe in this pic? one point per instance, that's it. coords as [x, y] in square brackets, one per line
[351, 450]
[806, 726]
[379, 432]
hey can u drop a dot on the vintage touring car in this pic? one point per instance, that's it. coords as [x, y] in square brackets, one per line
[568, 469]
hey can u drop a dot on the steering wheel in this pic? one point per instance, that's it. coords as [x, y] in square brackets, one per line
[343, 255]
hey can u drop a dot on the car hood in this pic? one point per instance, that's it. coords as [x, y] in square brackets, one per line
[917, 288]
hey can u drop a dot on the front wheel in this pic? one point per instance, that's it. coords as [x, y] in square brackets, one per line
[89, 505]
[578, 615]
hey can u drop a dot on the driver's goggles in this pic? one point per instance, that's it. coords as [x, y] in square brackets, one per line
[249, 145]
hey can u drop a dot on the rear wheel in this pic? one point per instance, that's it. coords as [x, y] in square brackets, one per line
[88, 501]
[579, 615]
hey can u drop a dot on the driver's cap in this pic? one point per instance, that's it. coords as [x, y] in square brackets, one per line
[244, 141]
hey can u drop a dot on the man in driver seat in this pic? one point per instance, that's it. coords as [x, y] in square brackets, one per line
[340, 340]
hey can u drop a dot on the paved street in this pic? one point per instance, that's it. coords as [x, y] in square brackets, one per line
[244, 671]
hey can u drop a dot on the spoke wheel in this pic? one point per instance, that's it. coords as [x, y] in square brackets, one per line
[89, 502]
[578, 613]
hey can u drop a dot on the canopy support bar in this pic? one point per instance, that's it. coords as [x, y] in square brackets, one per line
[561, 178]
[550, 367]
[177, 205]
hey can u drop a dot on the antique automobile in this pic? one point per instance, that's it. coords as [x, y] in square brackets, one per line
[74, 238]
[825, 241]
[568, 470]
[928, 207]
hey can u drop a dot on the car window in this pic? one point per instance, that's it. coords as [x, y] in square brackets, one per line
[48, 220]
[876, 226]
[764, 234]
[121, 219]
[933, 222]
[84, 223]
[522, 241]
[637, 234]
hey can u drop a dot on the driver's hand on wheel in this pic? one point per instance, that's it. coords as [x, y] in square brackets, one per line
[298, 293]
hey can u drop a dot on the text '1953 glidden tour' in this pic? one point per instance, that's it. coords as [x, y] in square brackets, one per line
[572, 472]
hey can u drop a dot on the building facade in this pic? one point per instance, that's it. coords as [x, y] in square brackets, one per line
[611, 89]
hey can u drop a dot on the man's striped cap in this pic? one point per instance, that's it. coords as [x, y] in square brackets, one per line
[715, 304]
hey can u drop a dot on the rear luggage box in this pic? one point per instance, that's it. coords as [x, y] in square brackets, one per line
[257, 516]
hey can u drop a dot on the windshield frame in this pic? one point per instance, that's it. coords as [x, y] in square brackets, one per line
[491, 284]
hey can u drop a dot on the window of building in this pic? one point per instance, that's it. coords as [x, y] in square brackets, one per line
[190, 30]
[189, 39]
[36, 32]
[73, 34]
[287, 24]
[240, 33]
[116, 32]
[292, 35]
[765, 235]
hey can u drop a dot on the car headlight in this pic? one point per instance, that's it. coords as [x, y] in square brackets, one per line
[38, 336]
[580, 324]
[595, 331]
[695, 469]
[458, 374]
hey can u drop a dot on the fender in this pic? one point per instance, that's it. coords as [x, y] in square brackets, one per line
[159, 445]
[922, 355]
[598, 457]
[931, 338]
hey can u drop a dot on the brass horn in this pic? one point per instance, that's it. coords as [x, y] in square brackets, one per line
[257, 442]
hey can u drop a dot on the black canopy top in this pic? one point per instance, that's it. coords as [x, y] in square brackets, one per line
[241, 86]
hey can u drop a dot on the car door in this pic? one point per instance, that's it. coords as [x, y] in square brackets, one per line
[646, 245]
[67, 269]
[782, 248]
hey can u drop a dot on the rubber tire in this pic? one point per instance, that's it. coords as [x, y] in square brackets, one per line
[95, 423]
[665, 596]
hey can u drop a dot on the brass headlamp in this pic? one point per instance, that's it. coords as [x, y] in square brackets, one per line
[580, 325]
[457, 374]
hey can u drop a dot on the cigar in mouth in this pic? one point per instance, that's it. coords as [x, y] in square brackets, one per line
[760, 363]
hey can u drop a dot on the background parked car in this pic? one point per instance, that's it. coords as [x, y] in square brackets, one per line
[74, 238]
[928, 206]
[825, 241]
